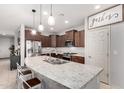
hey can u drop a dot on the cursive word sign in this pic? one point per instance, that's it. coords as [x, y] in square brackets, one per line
[109, 16]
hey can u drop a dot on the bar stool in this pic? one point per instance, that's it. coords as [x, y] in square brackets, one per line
[27, 73]
[33, 83]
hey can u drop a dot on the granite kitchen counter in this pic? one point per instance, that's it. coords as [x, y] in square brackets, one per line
[70, 74]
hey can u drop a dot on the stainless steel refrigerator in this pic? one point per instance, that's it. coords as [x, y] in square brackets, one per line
[33, 48]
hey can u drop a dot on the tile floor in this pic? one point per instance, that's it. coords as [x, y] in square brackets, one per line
[104, 86]
[8, 78]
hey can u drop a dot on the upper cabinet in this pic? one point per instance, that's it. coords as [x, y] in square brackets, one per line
[82, 38]
[79, 38]
[46, 41]
[60, 41]
[70, 35]
[53, 40]
[29, 36]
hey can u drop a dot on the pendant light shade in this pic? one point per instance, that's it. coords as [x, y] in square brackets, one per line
[40, 27]
[33, 32]
[51, 19]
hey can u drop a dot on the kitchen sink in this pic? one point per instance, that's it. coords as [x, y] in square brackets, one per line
[55, 61]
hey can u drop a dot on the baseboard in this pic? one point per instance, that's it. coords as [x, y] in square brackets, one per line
[4, 58]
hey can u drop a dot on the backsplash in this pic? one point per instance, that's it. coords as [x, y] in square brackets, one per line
[79, 50]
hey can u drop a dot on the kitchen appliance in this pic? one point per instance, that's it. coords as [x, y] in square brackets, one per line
[69, 43]
[33, 48]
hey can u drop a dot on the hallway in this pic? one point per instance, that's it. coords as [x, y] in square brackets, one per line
[7, 77]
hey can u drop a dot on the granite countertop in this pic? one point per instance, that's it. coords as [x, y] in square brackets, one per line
[71, 74]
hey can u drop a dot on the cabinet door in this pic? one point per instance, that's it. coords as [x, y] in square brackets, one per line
[43, 41]
[29, 36]
[82, 38]
[77, 39]
[53, 40]
[60, 41]
[63, 41]
[46, 41]
[70, 35]
[78, 59]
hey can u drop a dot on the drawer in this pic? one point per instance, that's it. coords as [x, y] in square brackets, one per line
[78, 59]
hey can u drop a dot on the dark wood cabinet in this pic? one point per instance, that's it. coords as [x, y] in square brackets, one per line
[46, 41]
[70, 35]
[79, 39]
[63, 40]
[78, 59]
[29, 36]
[82, 38]
[60, 41]
[53, 40]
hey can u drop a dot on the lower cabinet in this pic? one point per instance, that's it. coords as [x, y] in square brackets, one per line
[78, 59]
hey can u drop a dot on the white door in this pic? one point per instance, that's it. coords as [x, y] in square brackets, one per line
[98, 51]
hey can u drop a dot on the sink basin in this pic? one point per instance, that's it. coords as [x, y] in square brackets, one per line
[55, 61]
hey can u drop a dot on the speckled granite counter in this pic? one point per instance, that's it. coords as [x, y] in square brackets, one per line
[71, 75]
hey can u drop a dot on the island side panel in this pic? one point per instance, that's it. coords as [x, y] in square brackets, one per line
[93, 84]
[48, 83]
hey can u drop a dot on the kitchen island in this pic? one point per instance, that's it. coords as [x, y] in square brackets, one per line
[63, 74]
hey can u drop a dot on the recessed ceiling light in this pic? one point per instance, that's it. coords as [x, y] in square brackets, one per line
[45, 13]
[3, 34]
[97, 7]
[66, 21]
[51, 28]
[33, 32]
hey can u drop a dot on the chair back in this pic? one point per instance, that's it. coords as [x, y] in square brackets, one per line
[21, 77]
[18, 66]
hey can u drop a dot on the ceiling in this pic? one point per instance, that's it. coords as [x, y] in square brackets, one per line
[12, 15]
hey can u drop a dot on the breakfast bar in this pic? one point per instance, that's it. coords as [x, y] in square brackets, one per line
[62, 74]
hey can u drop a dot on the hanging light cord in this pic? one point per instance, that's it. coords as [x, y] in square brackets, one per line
[33, 18]
[40, 14]
[51, 9]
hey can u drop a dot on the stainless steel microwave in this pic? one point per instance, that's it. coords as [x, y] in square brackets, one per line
[69, 43]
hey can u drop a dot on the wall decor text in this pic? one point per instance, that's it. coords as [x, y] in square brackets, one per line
[106, 17]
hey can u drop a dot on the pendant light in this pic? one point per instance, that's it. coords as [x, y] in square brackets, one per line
[51, 19]
[33, 30]
[40, 27]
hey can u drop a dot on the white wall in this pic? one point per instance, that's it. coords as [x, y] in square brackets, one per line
[22, 44]
[117, 55]
[10, 33]
[5, 43]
